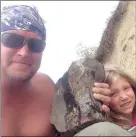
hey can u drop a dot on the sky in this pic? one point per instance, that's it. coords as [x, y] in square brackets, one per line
[69, 23]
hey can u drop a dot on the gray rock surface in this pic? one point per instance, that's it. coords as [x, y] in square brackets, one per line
[74, 104]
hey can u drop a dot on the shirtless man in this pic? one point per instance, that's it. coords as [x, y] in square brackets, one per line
[26, 95]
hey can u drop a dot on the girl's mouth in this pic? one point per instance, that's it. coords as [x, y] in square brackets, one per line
[125, 104]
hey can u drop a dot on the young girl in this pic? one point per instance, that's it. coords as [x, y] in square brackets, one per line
[123, 98]
[122, 116]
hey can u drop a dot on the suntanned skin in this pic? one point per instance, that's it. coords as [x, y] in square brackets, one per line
[27, 95]
[27, 112]
[26, 104]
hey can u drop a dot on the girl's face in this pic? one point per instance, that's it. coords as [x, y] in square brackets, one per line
[123, 97]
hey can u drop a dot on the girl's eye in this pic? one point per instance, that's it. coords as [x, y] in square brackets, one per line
[114, 94]
[126, 88]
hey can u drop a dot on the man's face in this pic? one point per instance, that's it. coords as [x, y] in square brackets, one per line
[20, 63]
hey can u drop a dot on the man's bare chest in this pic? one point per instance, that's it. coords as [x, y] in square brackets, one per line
[30, 120]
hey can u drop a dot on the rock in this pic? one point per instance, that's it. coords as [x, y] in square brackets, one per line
[74, 104]
[118, 42]
[117, 47]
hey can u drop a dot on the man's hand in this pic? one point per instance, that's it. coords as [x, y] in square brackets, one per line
[102, 93]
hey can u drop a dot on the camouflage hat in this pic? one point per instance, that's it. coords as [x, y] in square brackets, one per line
[22, 17]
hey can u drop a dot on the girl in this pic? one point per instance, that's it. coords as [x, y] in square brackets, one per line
[123, 106]
[123, 98]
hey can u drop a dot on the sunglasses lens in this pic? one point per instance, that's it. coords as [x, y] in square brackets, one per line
[16, 41]
[36, 45]
[12, 40]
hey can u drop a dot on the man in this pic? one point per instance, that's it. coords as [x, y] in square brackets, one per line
[26, 95]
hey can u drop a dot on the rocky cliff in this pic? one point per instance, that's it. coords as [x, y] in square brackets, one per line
[118, 43]
[74, 101]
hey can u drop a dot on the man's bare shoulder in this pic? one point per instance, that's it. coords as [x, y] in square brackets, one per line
[43, 82]
[42, 77]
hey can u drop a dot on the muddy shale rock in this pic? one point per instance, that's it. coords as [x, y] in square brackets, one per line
[74, 105]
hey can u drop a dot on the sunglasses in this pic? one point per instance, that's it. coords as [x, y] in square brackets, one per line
[11, 40]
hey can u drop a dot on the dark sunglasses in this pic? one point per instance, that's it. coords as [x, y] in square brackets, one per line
[11, 40]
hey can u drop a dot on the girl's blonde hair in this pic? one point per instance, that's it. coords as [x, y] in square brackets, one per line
[113, 73]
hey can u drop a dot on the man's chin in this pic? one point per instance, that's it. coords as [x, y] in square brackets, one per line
[19, 76]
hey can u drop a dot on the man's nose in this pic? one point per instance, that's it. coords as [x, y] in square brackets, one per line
[24, 51]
